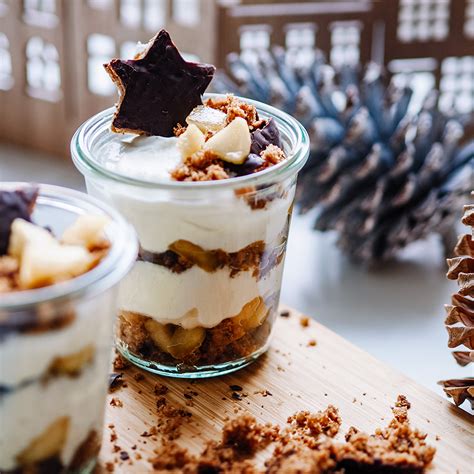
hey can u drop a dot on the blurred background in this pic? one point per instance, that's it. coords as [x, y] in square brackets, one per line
[307, 57]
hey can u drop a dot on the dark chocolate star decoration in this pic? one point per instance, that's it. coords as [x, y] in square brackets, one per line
[13, 205]
[158, 89]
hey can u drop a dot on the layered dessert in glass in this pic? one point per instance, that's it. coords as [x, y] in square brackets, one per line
[61, 257]
[208, 183]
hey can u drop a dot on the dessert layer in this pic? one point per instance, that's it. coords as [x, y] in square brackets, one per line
[183, 255]
[218, 220]
[27, 356]
[142, 157]
[233, 338]
[28, 412]
[194, 297]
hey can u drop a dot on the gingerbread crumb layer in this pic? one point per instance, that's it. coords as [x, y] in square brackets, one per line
[183, 255]
[307, 445]
[233, 108]
[203, 165]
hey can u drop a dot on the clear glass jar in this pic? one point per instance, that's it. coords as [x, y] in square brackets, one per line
[203, 295]
[55, 349]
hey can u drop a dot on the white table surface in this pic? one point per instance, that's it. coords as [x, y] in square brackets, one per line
[395, 313]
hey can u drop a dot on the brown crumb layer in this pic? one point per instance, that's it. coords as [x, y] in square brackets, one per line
[227, 341]
[183, 255]
[305, 446]
[233, 108]
[203, 165]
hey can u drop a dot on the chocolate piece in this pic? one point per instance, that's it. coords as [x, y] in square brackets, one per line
[13, 205]
[249, 166]
[158, 89]
[115, 380]
[262, 137]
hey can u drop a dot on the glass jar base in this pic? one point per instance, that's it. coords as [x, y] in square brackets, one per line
[196, 372]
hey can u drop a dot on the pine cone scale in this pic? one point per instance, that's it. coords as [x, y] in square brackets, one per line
[458, 314]
[463, 264]
[459, 336]
[463, 358]
[465, 246]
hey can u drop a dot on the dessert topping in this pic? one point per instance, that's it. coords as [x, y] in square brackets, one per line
[234, 107]
[87, 231]
[232, 143]
[36, 258]
[207, 119]
[13, 205]
[43, 260]
[158, 89]
[267, 135]
[160, 94]
[191, 141]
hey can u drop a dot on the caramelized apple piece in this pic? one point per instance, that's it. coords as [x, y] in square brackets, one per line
[23, 233]
[191, 141]
[209, 261]
[161, 334]
[175, 340]
[186, 341]
[46, 264]
[232, 143]
[252, 314]
[48, 444]
[72, 364]
[207, 119]
[87, 231]
[43, 260]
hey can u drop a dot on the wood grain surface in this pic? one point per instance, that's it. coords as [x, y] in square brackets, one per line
[298, 376]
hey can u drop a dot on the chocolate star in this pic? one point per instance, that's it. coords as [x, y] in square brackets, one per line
[13, 205]
[158, 89]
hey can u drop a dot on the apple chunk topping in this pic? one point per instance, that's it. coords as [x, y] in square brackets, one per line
[43, 260]
[232, 143]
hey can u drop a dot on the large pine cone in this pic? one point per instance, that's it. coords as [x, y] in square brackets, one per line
[460, 313]
[380, 176]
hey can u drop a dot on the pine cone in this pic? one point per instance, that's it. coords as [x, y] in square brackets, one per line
[379, 175]
[460, 313]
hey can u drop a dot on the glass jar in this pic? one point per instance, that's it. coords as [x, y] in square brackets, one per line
[203, 295]
[55, 349]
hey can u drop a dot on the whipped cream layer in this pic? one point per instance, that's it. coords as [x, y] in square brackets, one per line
[25, 357]
[26, 412]
[193, 298]
[141, 157]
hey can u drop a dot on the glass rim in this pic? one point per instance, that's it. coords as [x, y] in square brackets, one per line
[82, 155]
[107, 273]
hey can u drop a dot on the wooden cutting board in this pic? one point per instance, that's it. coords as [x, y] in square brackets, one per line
[298, 376]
